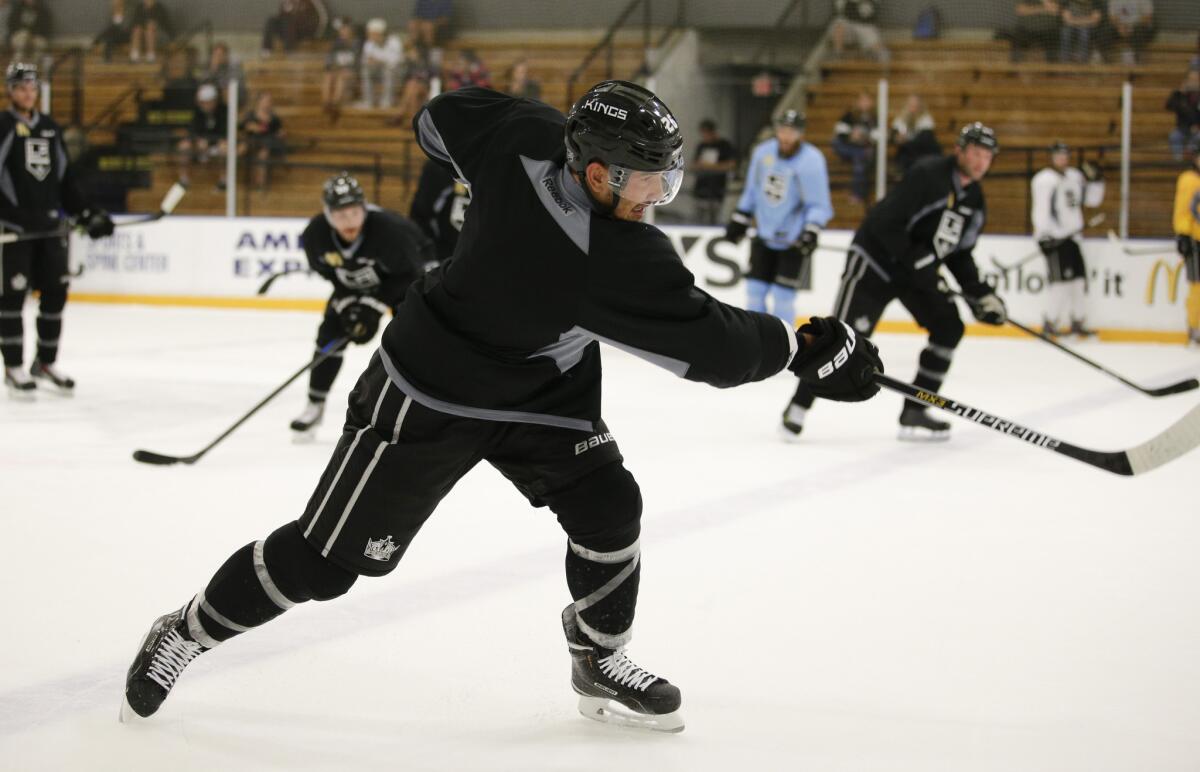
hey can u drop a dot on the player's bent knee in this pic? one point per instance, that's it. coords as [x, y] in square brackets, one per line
[299, 569]
[603, 510]
[947, 332]
[53, 300]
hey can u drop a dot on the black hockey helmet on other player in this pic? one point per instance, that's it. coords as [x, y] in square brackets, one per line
[978, 134]
[20, 72]
[794, 118]
[628, 129]
[342, 190]
[1059, 146]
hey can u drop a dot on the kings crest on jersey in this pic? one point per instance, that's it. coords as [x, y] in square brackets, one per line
[35, 176]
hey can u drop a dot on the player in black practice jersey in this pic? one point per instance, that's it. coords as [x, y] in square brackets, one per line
[933, 217]
[495, 357]
[37, 186]
[439, 207]
[370, 255]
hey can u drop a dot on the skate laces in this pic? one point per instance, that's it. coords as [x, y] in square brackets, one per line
[621, 669]
[173, 655]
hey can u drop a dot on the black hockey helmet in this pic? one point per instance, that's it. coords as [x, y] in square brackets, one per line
[342, 190]
[794, 118]
[1059, 146]
[20, 72]
[628, 129]
[978, 134]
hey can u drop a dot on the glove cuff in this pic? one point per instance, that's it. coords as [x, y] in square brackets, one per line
[741, 218]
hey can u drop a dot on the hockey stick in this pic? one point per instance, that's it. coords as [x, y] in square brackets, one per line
[1096, 220]
[266, 285]
[160, 459]
[1176, 440]
[1131, 252]
[169, 202]
[1162, 391]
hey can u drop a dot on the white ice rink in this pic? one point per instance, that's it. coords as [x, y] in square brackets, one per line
[849, 603]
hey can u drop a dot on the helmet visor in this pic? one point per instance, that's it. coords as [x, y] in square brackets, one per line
[653, 188]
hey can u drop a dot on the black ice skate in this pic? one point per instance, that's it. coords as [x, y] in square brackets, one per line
[51, 374]
[1077, 328]
[19, 385]
[308, 421]
[793, 423]
[165, 652]
[917, 426]
[614, 690]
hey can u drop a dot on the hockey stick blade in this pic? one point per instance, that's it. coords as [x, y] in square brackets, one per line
[1174, 388]
[1178, 439]
[1131, 252]
[158, 459]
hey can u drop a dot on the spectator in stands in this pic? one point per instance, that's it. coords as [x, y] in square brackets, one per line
[264, 138]
[1185, 103]
[222, 69]
[467, 70]
[206, 134]
[1038, 23]
[297, 20]
[381, 55]
[149, 20]
[29, 28]
[1128, 28]
[340, 66]
[854, 141]
[117, 31]
[178, 74]
[715, 158]
[414, 88]
[913, 133]
[428, 25]
[1080, 21]
[519, 84]
[855, 26]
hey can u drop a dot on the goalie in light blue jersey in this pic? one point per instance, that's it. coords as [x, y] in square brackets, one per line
[787, 199]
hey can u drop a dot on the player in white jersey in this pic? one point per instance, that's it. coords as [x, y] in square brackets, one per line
[1060, 191]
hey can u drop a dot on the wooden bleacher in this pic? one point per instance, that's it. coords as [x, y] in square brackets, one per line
[1030, 104]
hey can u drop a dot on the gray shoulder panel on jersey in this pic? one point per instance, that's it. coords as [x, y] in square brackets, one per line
[972, 232]
[567, 350]
[431, 142]
[563, 199]
[6, 182]
[939, 204]
[61, 154]
[676, 366]
[856, 249]
[479, 413]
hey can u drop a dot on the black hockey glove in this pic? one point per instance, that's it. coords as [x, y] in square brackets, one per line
[1049, 246]
[807, 244]
[739, 223]
[1187, 246]
[96, 223]
[839, 364]
[359, 316]
[1091, 171]
[987, 307]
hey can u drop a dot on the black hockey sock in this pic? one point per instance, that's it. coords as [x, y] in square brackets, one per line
[321, 377]
[605, 587]
[49, 325]
[259, 582]
[932, 367]
[12, 331]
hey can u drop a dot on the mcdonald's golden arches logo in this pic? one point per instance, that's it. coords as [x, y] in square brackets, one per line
[1172, 273]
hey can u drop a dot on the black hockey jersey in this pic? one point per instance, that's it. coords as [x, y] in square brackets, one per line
[36, 178]
[439, 207]
[389, 253]
[928, 219]
[509, 329]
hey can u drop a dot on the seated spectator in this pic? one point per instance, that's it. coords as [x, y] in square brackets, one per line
[414, 88]
[854, 25]
[222, 69]
[1128, 28]
[206, 134]
[1080, 20]
[715, 159]
[340, 66]
[149, 20]
[519, 84]
[467, 70]
[381, 55]
[264, 138]
[1185, 103]
[117, 31]
[1038, 23]
[854, 141]
[297, 20]
[429, 23]
[28, 30]
[913, 133]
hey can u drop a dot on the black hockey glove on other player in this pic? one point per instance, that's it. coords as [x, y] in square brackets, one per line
[838, 364]
[96, 223]
[987, 306]
[738, 224]
[359, 316]
[807, 243]
[1049, 246]
[1186, 246]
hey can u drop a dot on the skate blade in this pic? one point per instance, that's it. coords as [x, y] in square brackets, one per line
[304, 436]
[128, 715]
[19, 395]
[612, 712]
[788, 436]
[917, 434]
[50, 387]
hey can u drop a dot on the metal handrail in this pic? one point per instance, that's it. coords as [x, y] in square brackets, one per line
[134, 89]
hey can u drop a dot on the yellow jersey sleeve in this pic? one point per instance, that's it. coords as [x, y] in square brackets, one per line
[1187, 204]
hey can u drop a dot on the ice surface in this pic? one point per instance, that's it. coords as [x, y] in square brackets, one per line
[847, 603]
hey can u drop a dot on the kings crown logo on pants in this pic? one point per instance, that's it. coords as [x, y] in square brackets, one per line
[380, 549]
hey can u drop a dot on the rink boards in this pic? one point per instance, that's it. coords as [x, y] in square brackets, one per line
[221, 261]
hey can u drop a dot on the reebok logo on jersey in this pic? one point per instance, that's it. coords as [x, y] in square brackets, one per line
[611, 111]
[841, 356]
[556, 195]
[593, 442]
